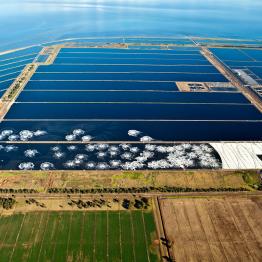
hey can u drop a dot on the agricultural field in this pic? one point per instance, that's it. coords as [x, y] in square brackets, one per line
[78, 236]
[214, 229]
[42, 180]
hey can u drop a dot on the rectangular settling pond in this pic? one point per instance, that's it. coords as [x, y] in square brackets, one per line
[145, 76]
[133, 111]
[128, 96]
[101, 85]
[118, 130]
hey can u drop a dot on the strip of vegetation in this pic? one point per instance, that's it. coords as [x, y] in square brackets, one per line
[165, 189]
[138, 203]
[13, 90]
[253, 180]
[33, 201]
[7, 202]
[17, 191]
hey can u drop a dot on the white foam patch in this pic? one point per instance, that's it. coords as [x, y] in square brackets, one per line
[197, 149]
[146, 139]
[40, 133]
[125, 146]
[101, 154]
[78, 132]
[102, 166]
[10, 148]
[113, 153]
[134, 132]
[70, 164]
[180, 162]
[113, 148]
[47, 166]
[58, 155]
[70, 137]
[78, 162]
[207, 160]
[132, 165]
[206, 148]
[115, 163]
[55, 148]
[31, 153]
[147, 154]
[192, 155]
[86, 138]
[186, 146]
[26, 166]
[7, 132]
[161, 149]
[26, 135]
[141, 159]
[81, 157]
[127, 156]
[91, 165]
[72, 148]
[90, 148]
[13, 138]
[150, 147]
[134, 149]
[159, 164]
[102, 146]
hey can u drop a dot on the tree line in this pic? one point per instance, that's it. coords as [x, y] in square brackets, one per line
[17, 191]
[7, 202]
[164, 189]
[138, 203]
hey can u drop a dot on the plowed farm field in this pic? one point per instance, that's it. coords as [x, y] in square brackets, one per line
[214, 229]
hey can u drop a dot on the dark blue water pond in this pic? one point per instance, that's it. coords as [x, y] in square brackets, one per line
[126, 51]
[132, 61]
[255, 54]
[4, 85]
[103, 156]
[42, 58]
[23, 52]
[230, 54]
[118, 96]
[127, 68]
[131, 55]
[11, 70]
[237, 64]
[133, 111]
[212, 77]
[257, 71]
[14, 64]
[9, 76]
[164, 130]
[17, 59]
[178, 50]
[100, 85]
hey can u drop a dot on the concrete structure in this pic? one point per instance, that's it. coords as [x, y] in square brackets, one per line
[240, 155]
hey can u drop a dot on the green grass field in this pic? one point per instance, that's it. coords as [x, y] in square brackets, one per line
[78, 236]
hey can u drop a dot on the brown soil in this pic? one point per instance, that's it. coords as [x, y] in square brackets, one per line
[214, 229]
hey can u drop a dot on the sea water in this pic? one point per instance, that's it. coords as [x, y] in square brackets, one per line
[28, 22]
